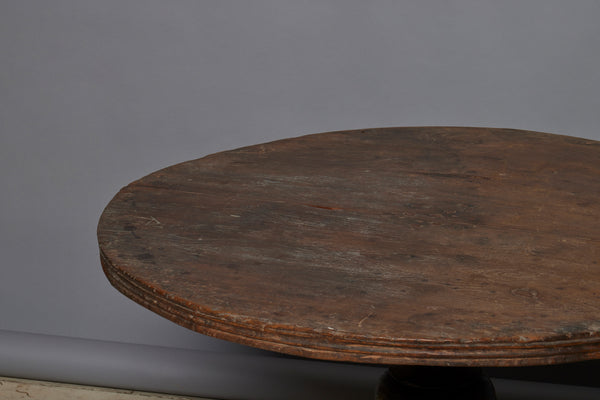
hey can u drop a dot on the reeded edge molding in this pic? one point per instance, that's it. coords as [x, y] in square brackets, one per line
[343, 347]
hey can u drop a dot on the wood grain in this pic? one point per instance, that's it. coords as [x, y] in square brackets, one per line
[425, 246]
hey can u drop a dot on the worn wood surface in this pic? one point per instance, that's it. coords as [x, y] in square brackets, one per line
[424, 246]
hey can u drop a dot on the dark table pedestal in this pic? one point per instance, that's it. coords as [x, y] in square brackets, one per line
[435, 383]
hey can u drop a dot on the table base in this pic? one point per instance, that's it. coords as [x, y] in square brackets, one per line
[435, 383]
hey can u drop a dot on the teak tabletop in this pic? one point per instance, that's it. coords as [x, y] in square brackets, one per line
[440, 246]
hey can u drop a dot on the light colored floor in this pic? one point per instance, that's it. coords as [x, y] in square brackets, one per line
[17, 389]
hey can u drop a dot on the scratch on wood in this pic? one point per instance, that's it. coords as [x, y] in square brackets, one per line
[151, 220]
[372, 313]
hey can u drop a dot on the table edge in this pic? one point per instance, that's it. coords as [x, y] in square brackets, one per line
[345, 347]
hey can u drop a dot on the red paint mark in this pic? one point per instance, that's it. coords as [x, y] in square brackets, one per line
[323, 207]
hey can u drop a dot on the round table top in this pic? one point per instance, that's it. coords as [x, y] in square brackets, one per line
[424, 246]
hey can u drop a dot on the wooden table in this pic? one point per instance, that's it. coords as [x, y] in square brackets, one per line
[427, 249]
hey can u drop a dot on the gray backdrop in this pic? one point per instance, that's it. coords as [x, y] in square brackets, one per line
[95, 94]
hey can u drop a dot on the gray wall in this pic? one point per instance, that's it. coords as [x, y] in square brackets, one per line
[94, 94]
